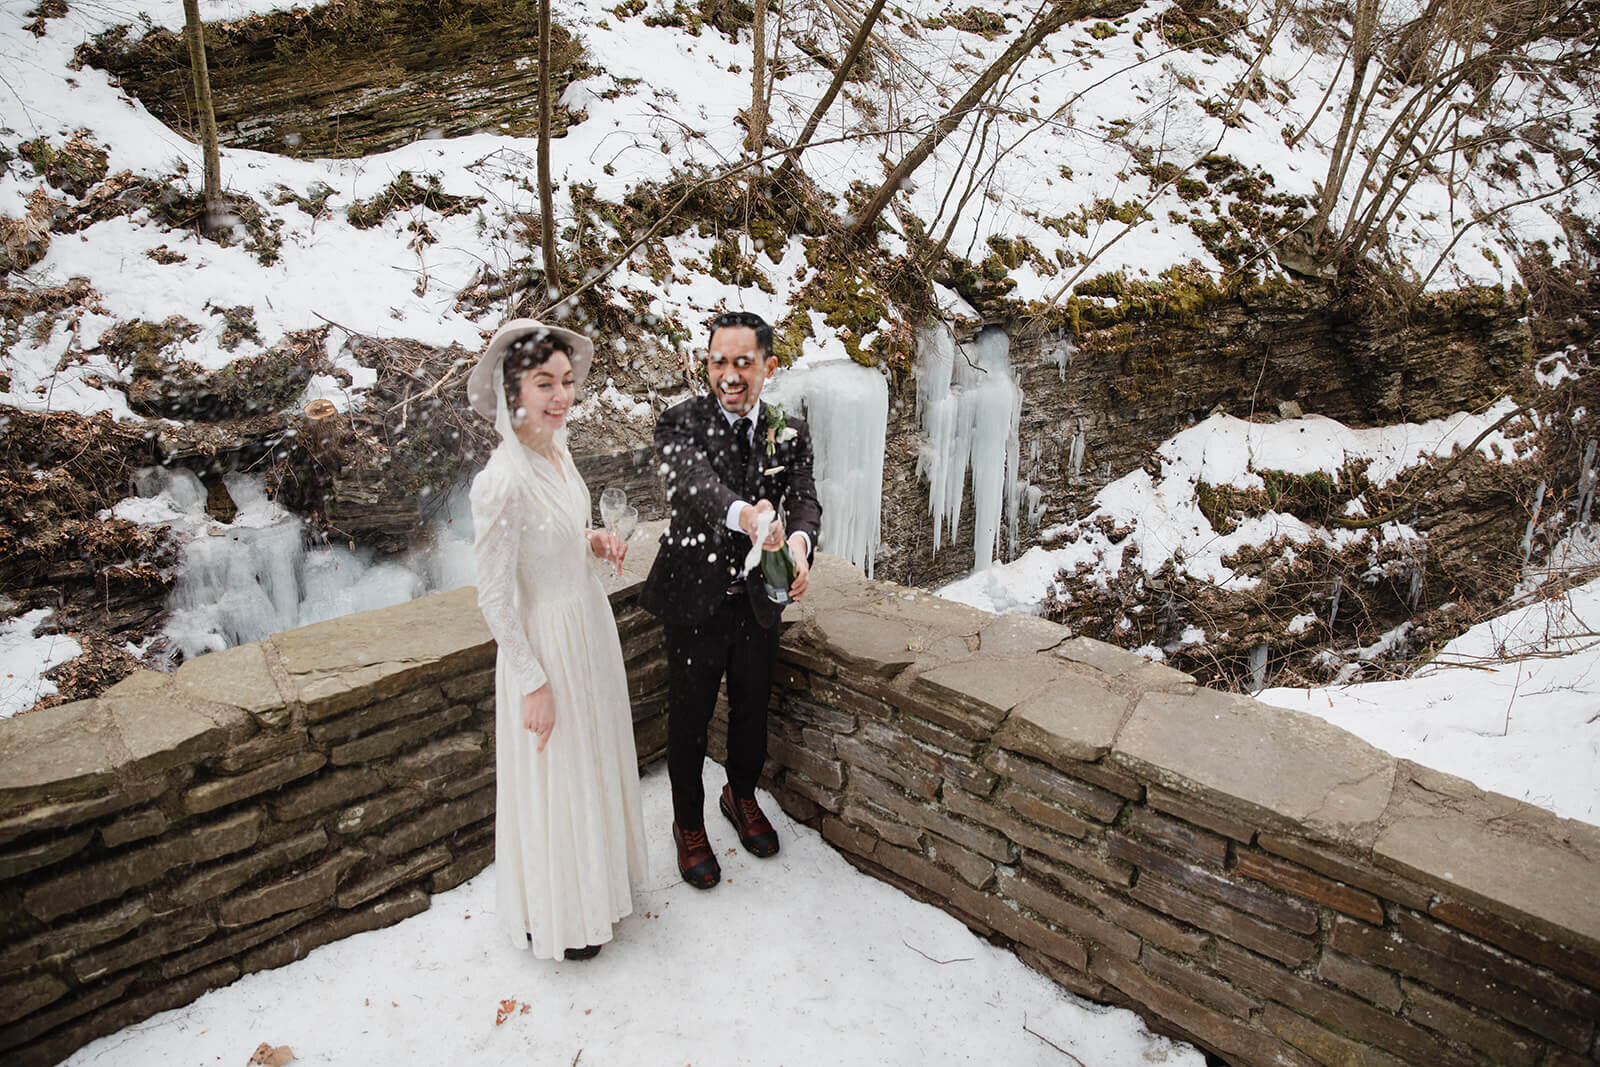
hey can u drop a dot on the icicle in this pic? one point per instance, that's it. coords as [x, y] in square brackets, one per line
[1258, 668]
[1035, 505]
[941, 460]
[846, 407]
[1333, 606]
[241, 581]
[1075, 454]
[1059, 352]
[1533, 523]
[1586, 481]
[447, 561]
[970, 407]
[1421, 565]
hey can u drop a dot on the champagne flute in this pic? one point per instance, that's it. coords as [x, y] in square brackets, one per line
[612, 501]
[627, 521]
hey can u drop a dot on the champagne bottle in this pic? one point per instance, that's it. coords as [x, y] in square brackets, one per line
[777, 573]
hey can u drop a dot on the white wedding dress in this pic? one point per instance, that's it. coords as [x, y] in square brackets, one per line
[569, 831]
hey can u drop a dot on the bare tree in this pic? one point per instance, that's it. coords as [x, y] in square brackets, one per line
[1366, 17]
[756, 139]
[547, 209]
[194, 35]
[858, 43]
[1433, 96]
[1052, 17]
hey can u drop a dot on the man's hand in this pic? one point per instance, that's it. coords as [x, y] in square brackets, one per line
[749, 519]
[802, 569]
[539, 714]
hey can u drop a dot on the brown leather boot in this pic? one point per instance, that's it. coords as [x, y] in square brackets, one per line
[696, 862]
[755, 832]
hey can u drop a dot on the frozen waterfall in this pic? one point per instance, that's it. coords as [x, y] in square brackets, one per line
[846, 406]
[970, 407]
[258, 575]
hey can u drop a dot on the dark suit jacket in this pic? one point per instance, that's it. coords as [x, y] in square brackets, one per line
[700, 557]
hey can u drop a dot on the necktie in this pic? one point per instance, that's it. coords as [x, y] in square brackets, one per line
[738, 544]
[741, 434]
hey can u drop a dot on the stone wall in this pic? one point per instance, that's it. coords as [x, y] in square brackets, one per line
[1251, 879]
[186, 829]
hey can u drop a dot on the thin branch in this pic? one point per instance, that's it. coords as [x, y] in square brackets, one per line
[1487, 215]
[731, 171]
[930, 959]
[1053, 1045]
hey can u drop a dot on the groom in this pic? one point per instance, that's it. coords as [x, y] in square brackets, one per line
[727, 458]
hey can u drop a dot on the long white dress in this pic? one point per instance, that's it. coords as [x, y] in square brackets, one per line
[569, 831]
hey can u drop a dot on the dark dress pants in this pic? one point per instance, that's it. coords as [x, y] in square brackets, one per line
[733, 644]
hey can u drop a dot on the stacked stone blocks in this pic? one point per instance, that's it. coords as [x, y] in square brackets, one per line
[1249, 879]
[186, 829]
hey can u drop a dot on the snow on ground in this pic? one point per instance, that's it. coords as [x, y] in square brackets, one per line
[24, 659]
[1165, 516]
[795, 960]
[1512, 705]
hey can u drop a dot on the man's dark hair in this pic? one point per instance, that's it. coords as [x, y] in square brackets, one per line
[749, 320]
[527, 352]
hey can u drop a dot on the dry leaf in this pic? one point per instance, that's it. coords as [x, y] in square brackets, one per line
[269, 1056]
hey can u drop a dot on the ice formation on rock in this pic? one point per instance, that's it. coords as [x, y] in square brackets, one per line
[970, 407]
[259, 574]
[846, 406]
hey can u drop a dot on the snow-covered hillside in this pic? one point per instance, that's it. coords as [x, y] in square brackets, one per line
[1092, 129]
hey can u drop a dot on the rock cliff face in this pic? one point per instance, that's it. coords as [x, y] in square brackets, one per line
[351, 80]
[1141, 374]
[1142, 371]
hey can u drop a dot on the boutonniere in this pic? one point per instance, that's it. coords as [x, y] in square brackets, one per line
[778, 430]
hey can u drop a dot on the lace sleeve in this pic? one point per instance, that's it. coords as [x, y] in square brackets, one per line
[496, 520]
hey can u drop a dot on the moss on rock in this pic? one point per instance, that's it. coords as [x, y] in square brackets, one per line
[74, 168]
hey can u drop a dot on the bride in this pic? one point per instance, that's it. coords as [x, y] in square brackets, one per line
[569, 834]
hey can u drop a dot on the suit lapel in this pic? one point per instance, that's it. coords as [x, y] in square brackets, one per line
[721, 449]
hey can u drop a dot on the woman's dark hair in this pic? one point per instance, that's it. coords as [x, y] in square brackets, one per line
[524, 354]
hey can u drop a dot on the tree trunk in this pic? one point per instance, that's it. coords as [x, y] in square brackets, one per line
[756, 140]
[194, 34]
[858, 44]
[547, 207]
[1344, 144]
[1060, 13]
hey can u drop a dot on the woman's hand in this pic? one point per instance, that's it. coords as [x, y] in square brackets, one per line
[608, 546]
[539, 714]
